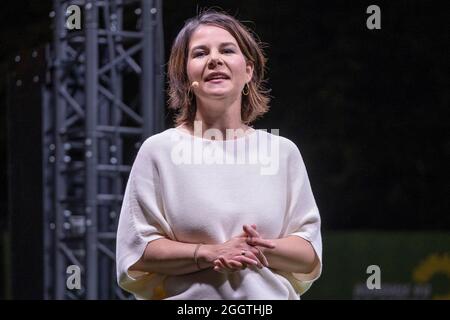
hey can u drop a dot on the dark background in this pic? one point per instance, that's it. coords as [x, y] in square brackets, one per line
[367, 108]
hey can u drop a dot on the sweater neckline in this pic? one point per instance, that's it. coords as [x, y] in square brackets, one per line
[185, 133]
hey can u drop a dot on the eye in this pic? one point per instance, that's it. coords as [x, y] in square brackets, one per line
[228, 50]
[198, 54]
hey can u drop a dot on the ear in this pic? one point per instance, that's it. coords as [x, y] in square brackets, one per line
[249, 70]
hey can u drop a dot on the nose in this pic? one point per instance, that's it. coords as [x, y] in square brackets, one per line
[213, 62]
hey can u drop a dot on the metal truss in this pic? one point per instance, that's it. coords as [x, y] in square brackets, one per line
[103, 96]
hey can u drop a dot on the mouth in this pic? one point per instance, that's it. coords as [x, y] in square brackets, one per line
[216, 77]
[216, 80]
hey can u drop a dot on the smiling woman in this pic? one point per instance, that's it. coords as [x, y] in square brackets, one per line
[218, 229]
[225, 71]
[217, 43]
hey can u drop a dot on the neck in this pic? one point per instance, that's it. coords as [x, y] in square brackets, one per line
[220, 114]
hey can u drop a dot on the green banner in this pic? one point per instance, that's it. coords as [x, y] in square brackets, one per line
[384, 265]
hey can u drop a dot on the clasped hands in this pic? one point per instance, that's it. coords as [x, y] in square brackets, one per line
[242, 251]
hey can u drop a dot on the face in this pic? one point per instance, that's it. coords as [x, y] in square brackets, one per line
[213, 49]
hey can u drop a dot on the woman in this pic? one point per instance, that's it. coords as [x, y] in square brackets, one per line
[198, 220]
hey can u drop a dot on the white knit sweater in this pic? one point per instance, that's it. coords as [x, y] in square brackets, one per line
[197, 190]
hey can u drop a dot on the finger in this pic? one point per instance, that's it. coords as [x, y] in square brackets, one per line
[218, 264]
[264, 259]
[246, 261]
[224, 263]
[219, 267]
[250, 259]
[227, 265]
[260, 242]
[254, 226]
[242, 235]
[222, 268]
[250, 231]
[252, 256]
[235, 264]
[261, 256]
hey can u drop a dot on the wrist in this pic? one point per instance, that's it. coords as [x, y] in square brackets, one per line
[206, 256]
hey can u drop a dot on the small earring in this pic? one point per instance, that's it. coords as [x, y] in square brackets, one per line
[245, 93]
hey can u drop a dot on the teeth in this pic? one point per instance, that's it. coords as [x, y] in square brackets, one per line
[217, 77]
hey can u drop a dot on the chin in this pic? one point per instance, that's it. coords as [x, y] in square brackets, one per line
[218, 93]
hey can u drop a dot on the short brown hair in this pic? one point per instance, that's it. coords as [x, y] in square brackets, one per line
[254, 105]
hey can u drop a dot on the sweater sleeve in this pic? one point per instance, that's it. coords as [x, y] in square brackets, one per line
[302, 217]
[141, 221]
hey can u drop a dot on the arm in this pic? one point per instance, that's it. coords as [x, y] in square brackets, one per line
[166, 256]
[291, 254]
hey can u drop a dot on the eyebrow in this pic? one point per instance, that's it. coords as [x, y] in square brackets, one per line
[223, 44]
